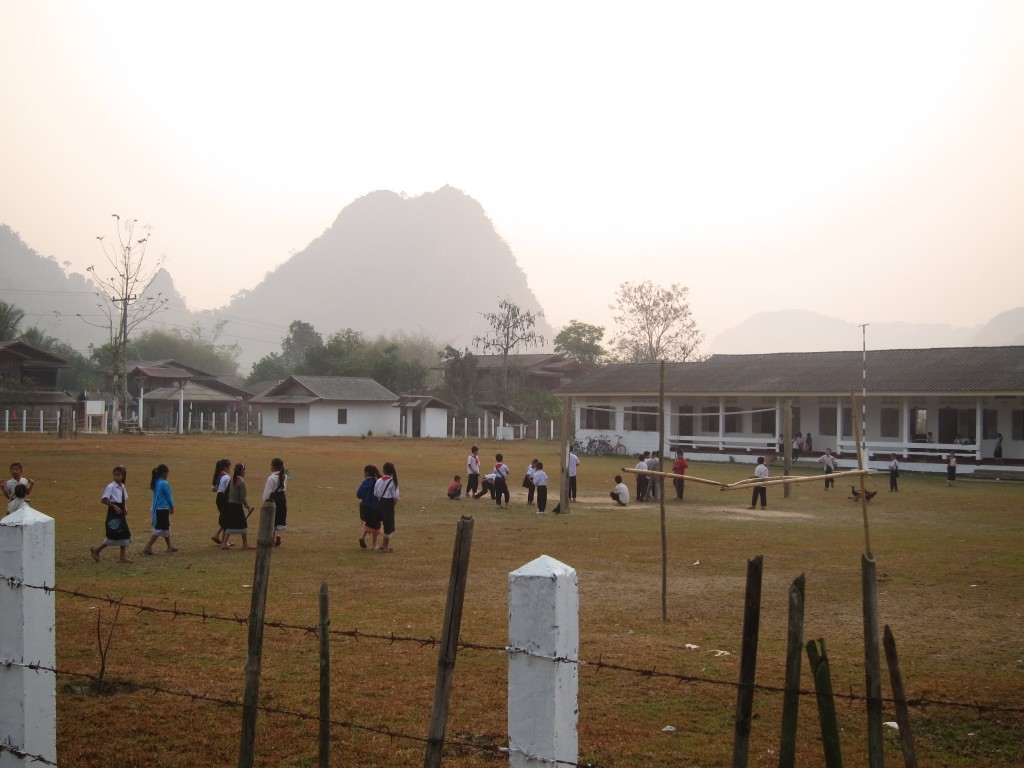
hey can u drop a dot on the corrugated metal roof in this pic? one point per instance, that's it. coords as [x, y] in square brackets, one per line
[950, 370]
[194, 391]
[422, 401]
[340, 388]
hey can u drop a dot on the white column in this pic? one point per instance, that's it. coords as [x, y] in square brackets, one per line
[978, 425]
[142, 402]
[181, 409]
[28, 698]
[905, 425]
[543, 675]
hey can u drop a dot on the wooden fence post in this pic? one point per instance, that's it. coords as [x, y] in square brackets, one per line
[794, 653]
[872, 662]
[28, 698]
[543, 674]
[257, 612]
[899, 694]
[449, 642]
[748, 663]
[325, 677]
[826, 704]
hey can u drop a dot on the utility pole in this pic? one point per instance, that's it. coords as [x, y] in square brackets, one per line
[864, 391]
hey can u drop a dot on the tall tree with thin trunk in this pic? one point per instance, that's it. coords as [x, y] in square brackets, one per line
[126, 301]
[511, 328]
[654, 323]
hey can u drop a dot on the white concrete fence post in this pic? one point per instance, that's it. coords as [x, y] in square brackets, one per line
[28, 698]
[543, 674]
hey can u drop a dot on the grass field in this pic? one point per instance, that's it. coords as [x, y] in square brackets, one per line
[950, 570]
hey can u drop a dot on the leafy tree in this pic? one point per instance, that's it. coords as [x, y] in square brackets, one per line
[10, 320]
[125, 299]
[268, 368]
[511, 328]
[192, 347]
[82, 374]
[459, 376]
[388, 367]
[581, 342]
[301, 338]
[655, 323]
[343, 354]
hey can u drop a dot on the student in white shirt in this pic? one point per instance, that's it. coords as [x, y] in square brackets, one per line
[540, 483]
[760, 472]
[621, 492]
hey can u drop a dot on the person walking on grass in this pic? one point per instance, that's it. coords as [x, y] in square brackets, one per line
[540, 483]
[894, 473]
[161, 510]
[501, 471]
[369, 506]
[760, 492]
[641, 480]
[116, 531]
[572, 467]
[472, 472]
[236, 517]
[221, 481]
[829, 462]
[679, 467]
[274, 490]
[386, 491]
[528, 483]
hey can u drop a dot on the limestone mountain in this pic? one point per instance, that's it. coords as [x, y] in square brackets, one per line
[429, 265]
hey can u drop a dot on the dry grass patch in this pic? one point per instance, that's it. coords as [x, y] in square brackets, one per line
[949, 563]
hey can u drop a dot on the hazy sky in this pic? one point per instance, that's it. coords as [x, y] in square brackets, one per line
[863, 160]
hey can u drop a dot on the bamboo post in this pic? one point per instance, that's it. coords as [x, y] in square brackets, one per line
[568, 417]
[787, 447]
[863, 489]
[794, 653]
[899, 695]
[661, 496]
[257, 612]
[872, 662]
[325, 678]
[826, 704]
[748, 663]
[449, 642]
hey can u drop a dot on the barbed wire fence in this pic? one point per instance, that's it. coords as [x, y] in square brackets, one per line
[314, 631]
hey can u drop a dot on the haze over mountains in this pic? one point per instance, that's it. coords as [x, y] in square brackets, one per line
[427, 265]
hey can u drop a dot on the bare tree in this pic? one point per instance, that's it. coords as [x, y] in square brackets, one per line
[126, 303]
[655, 323]
[511, 328]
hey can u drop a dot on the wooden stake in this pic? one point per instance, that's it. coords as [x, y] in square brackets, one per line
[899, 694]
[325, 677]
[661, 496]
[860, 465]
[794, 653]
[449, 642]
[748, 663]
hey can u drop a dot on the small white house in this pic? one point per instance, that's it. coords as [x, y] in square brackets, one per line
[423, 416]
[328, 406]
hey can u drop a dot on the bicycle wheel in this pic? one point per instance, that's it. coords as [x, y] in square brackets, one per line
[620, 449]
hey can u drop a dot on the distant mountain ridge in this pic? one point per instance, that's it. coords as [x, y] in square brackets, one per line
[794, 330]
[428, 265]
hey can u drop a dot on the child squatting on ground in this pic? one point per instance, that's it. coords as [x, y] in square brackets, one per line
[621, 492]
[455, 489]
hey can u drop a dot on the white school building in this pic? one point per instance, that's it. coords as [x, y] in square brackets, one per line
[920, 405]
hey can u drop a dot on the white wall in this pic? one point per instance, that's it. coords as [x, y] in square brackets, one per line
[321, 420]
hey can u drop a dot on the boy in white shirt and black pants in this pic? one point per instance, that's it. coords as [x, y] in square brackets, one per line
[540, 483]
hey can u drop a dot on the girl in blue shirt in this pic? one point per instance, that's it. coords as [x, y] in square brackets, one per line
[161, 510]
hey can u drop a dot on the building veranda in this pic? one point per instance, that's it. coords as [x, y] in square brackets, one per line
[921, 404]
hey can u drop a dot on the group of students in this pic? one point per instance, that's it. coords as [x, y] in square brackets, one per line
[378, 496]
[17, 488]
[535, 481]
[233, 508]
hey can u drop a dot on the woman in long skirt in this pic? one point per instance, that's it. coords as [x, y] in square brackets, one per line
[236, 518]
